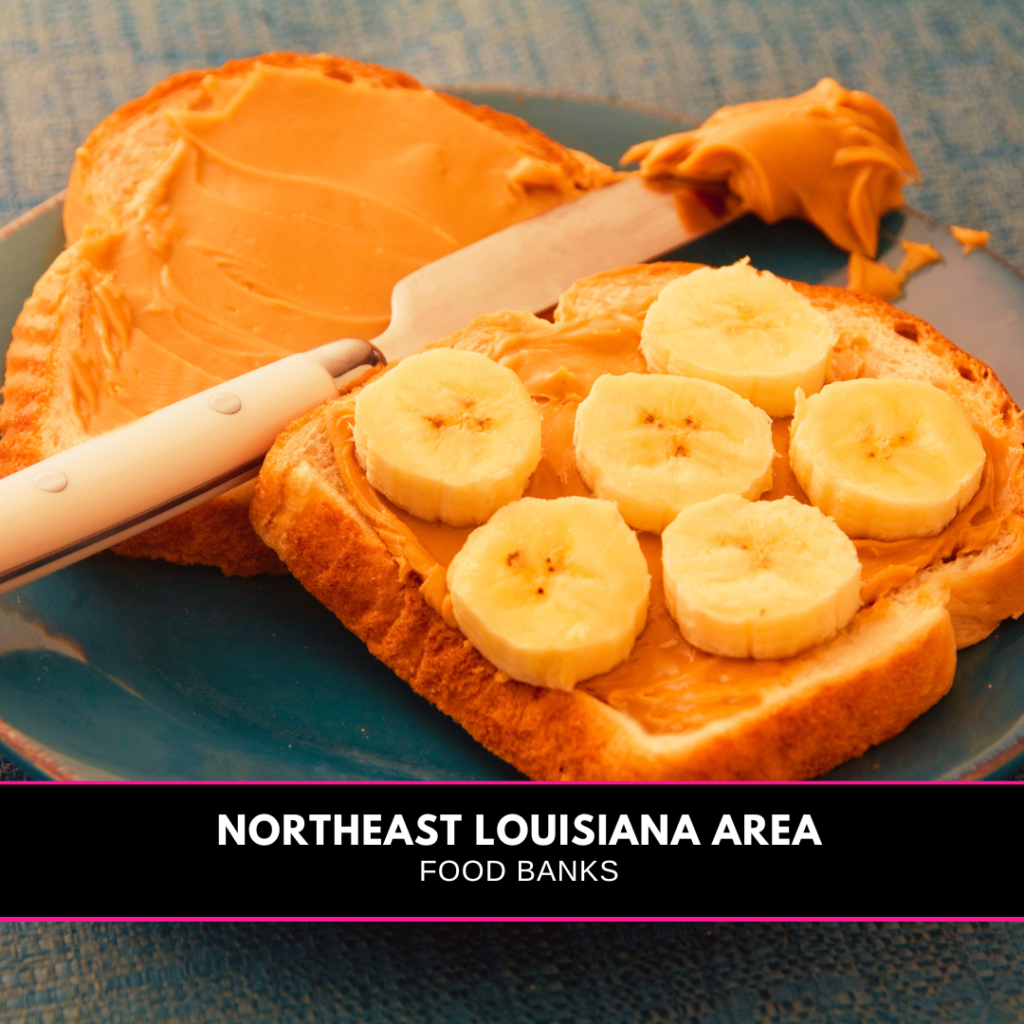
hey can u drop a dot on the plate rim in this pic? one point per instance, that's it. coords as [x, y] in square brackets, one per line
[12, 227]
[570, 95]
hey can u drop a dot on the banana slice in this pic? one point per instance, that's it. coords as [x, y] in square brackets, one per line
[448, 435]
[552, 592]
[758, 579]
[887, 459]
[654, 444]
[741, 328]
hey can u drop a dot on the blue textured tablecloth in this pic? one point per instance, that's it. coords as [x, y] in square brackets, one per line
[953, 73]
[512, 974]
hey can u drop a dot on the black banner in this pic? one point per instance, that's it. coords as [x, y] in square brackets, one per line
[514, 850]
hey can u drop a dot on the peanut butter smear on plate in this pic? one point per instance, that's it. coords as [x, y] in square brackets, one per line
[969, 238]
[884, 282]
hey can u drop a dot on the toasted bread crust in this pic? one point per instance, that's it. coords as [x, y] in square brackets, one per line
[551, 734]
[218, 532]
[36, 419]
[895, 660]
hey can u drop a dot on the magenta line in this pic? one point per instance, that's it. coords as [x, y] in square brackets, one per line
[485, 920]
[516, 782]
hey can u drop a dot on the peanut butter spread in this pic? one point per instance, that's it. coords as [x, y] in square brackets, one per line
[969, 238]
[281, 216]
[666, 684]
[883, 282]
[830, 155]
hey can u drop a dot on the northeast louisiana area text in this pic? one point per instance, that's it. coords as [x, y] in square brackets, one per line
[482, 830]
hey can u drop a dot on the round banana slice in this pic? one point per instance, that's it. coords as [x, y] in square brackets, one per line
[886, 459]
[744, 329]
[654, 443]
[552, 592]
[448, 435]
[758, 579]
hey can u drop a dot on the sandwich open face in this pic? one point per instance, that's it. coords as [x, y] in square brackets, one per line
[231, 217]
[657, 597]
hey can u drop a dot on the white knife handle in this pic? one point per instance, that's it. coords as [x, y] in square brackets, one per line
[113, 486]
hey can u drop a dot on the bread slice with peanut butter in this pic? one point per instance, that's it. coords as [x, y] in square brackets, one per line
[670, 711]
[230, 217]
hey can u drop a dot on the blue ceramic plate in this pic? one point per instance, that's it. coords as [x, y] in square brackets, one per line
[144, 670]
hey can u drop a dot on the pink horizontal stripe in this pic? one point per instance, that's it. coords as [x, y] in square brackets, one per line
[424, 920]
[516, 782]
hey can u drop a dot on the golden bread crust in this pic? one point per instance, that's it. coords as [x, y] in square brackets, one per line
[217, 532]
[552, 734]
[895, 660]
[36, 419]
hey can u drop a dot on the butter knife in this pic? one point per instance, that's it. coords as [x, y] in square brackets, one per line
[113, 486]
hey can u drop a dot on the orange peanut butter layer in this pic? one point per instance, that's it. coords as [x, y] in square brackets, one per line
[280, 218]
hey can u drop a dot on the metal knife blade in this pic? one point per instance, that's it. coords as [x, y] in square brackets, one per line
[529, 265]
[111, 487]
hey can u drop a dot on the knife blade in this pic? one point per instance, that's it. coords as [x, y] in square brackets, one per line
[118, 484]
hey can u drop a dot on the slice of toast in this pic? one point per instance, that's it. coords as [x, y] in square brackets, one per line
[784, 719]
[57, 334]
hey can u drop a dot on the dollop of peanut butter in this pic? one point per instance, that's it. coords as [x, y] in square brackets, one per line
[830, 155]
[666, 684]
[884, 282]
[284, 211]
[969, 238]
